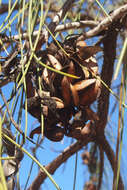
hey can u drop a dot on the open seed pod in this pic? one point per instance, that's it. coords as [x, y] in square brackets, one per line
[66, 95]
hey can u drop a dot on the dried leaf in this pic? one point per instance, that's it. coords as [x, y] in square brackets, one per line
[86, 71]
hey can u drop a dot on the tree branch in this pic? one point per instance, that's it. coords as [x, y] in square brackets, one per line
[109, 43]
[54, 27]
[114, 16]
[59, 28]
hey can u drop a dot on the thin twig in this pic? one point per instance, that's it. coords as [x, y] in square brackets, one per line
[10, 116]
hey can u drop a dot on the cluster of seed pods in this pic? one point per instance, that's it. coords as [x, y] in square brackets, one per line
[62, 97]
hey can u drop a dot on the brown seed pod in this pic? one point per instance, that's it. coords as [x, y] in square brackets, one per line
[66, 93]
[75, 95]
[84, 84]
[91, 94]
[55, 134]
[86, 157]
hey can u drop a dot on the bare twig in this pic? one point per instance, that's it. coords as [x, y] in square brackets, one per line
[114, 16]
[75, 25]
